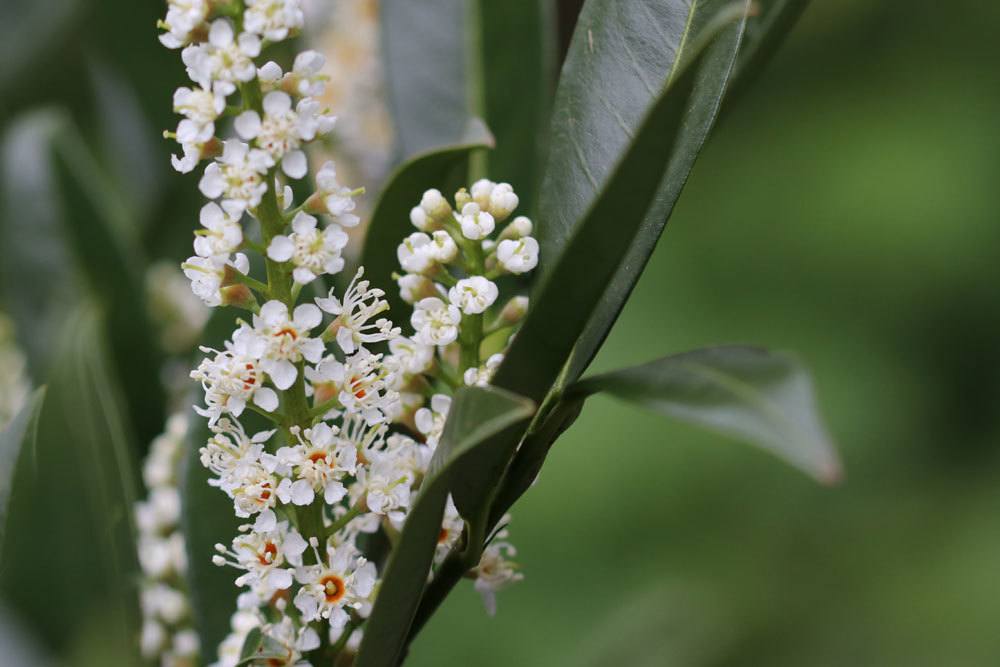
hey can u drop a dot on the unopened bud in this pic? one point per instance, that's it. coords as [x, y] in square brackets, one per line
[519, 227]
[462, 198]
[324, 392]
[238, 295]
[514, 310]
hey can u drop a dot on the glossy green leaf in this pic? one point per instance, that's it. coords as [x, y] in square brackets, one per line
[607, 169]
[390, 222]
[424, 58]
[765, 398]
[515, 88]
[18, 438]
[477, 417]
[69, 516]
[766, 31]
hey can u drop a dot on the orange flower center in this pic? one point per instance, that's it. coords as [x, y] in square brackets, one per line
[333, 587]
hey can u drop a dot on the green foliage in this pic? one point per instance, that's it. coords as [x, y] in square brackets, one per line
[84, 233]
[81, 477]
[763, 397]
[477, 418]
[19, 437]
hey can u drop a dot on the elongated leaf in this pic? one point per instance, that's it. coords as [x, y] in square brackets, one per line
[424, 57]
[765, 33]
[63, 221]
[516, 87]
[69, 518]
[478, 415]
[765, 398]
[390, 222]
[606, 210]
[18, 439]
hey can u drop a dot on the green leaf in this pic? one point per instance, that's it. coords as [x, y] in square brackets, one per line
[69, 517]
[765, 398]
[20, 437]
[423, 53]
[390, 222]
[610, 163]
[515, 87]
[63, 221]
[477, 416]
[207, 518]
[766, 31]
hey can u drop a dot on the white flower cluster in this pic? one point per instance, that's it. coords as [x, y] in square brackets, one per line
[324, 417]
[167, 633]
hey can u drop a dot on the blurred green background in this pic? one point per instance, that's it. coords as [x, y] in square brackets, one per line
[846, 209]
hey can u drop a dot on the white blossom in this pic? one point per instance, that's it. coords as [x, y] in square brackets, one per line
[237, 176]
[430, 421]
[435, 322]
[498, 199]
[352, 326]
[432, 210]
[482, 376]
[208, 274]
[273, 19]
[518, 256]
[337, 200]
[200, 108]
[224, 60]
[416, 254]
[285, 340]
[314, 252]
[338, 582]
[265, 555]
[473, 295]
[183, 17]
[232, 377]
[476, 223]
[282, 130]
[222, 234]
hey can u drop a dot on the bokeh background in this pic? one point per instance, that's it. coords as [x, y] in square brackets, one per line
[847, 209]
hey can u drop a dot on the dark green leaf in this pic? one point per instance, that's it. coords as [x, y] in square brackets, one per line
[207, 518]
[390, 222]
[765, 398]
[423, 51]
[69, 517]
[516, 88]
[766, 31]
[607, 169]
[477, 416]
[18, 438]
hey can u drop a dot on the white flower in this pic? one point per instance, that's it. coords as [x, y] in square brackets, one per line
[237, 176]
[496, 571]
[313, 252]
[183, 17]
[413, 287]
[451, 530]
[207, 275]
[387, 487]
[473, 295]
[285, 340]
[292, 642]
[498, 199]
[482, 376]
[321, 460]
[476, 223]
[200, 108]
[362, 383]
[430, 421]
[435, 322]
[265, 555]
[224, 60]
[230, 451]
[411, 357]
[336, 200]
[442, 248]
[305, 79]
[231, 378]
[432, 210]
[282, 131]
[361, 303]
[222, 234]
[518, 227]
[272, 19]
[342, 580]
[518, 256]
[415, 253]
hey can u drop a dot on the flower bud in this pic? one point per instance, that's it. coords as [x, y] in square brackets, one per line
[462, 198]
[514, 310]
[519, 226]
[414, 287]
[238, 295]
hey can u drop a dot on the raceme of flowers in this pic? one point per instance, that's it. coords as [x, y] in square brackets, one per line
[324, 416]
